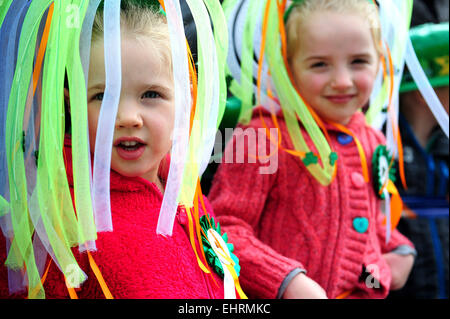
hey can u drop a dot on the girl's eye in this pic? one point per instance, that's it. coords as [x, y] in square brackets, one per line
[359, 61]
[318, 65]
[151, 95]
[98, 97]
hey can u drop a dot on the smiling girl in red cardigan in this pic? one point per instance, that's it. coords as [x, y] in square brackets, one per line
[295, 237]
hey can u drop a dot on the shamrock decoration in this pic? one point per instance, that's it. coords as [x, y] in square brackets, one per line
[333, 158]
[210, 254]
[310, 158]
[380, 168]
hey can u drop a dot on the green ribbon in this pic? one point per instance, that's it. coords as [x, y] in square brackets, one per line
[4, 6]
[293, 106]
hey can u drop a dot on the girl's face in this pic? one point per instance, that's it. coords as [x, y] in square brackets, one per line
[335, 66]
[145, 116]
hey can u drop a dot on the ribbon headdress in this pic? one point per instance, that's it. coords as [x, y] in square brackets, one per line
[41, 41]
[256, 29]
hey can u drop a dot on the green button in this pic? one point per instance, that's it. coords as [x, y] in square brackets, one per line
[361, 224]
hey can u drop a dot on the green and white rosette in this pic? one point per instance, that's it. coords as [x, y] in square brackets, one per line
[219, 254]
[381, 171]
[383, 179]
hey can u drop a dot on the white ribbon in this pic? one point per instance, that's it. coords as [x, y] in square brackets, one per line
[387, 203]
[182, 117]
[107, 117]
[224, 256]
[425, 88]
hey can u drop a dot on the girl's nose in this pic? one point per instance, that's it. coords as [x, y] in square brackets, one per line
[342, 79]
[128, 116]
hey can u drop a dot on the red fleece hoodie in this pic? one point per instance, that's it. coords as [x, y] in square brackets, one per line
[135, 261]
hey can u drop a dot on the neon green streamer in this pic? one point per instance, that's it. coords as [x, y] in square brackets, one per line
[4, 206]
[247, 62]
[378, 103]
[21, 251]
[227, 6]
[205, 103]
[54, 197]
[221, 41]
[80, 149]
[4, 6]
[293, 105]
[204, 96]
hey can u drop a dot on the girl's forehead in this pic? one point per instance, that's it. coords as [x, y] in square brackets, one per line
[317, 21]
[133, 44]
[139, 56]
[329, 30]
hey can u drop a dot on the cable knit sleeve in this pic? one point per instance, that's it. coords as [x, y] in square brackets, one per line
[238, 195]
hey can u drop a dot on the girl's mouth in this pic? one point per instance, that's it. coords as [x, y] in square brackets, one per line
[341, 98]
[129, 148]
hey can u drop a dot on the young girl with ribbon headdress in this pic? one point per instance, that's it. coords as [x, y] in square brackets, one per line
[314, 228]
[68, 233]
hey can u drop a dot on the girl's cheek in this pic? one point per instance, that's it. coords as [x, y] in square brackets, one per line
[315, 82]
[366, 82]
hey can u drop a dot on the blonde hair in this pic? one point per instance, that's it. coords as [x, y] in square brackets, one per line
[143, 24]
[300, 12]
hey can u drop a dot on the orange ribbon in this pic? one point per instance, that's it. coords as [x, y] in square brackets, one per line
[361, 152]
[396, 130]
[99, 277]
[396, 205]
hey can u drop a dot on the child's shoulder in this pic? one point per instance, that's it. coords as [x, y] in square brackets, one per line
[359, 123]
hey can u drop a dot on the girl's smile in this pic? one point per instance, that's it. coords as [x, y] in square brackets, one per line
[335, 66]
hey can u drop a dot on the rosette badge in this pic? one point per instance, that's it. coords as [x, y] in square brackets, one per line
[217, 249]
[382, 173]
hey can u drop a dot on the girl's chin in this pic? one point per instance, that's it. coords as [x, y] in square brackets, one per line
[337, 119]
[150, 176]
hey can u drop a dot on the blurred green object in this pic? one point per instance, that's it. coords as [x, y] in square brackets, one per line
[231, 115]
[430, 42]
[229, 120]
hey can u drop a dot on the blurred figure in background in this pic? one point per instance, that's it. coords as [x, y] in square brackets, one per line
[426, 159]
[426, 11]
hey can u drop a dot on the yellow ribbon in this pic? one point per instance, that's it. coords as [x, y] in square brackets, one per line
[192, 240]
[236, 281]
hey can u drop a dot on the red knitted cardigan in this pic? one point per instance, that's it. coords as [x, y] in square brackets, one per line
[285, 220]
[135, 262]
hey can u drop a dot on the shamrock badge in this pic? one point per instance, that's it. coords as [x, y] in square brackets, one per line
[310, 158]
[211, 256]
[380, 169]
